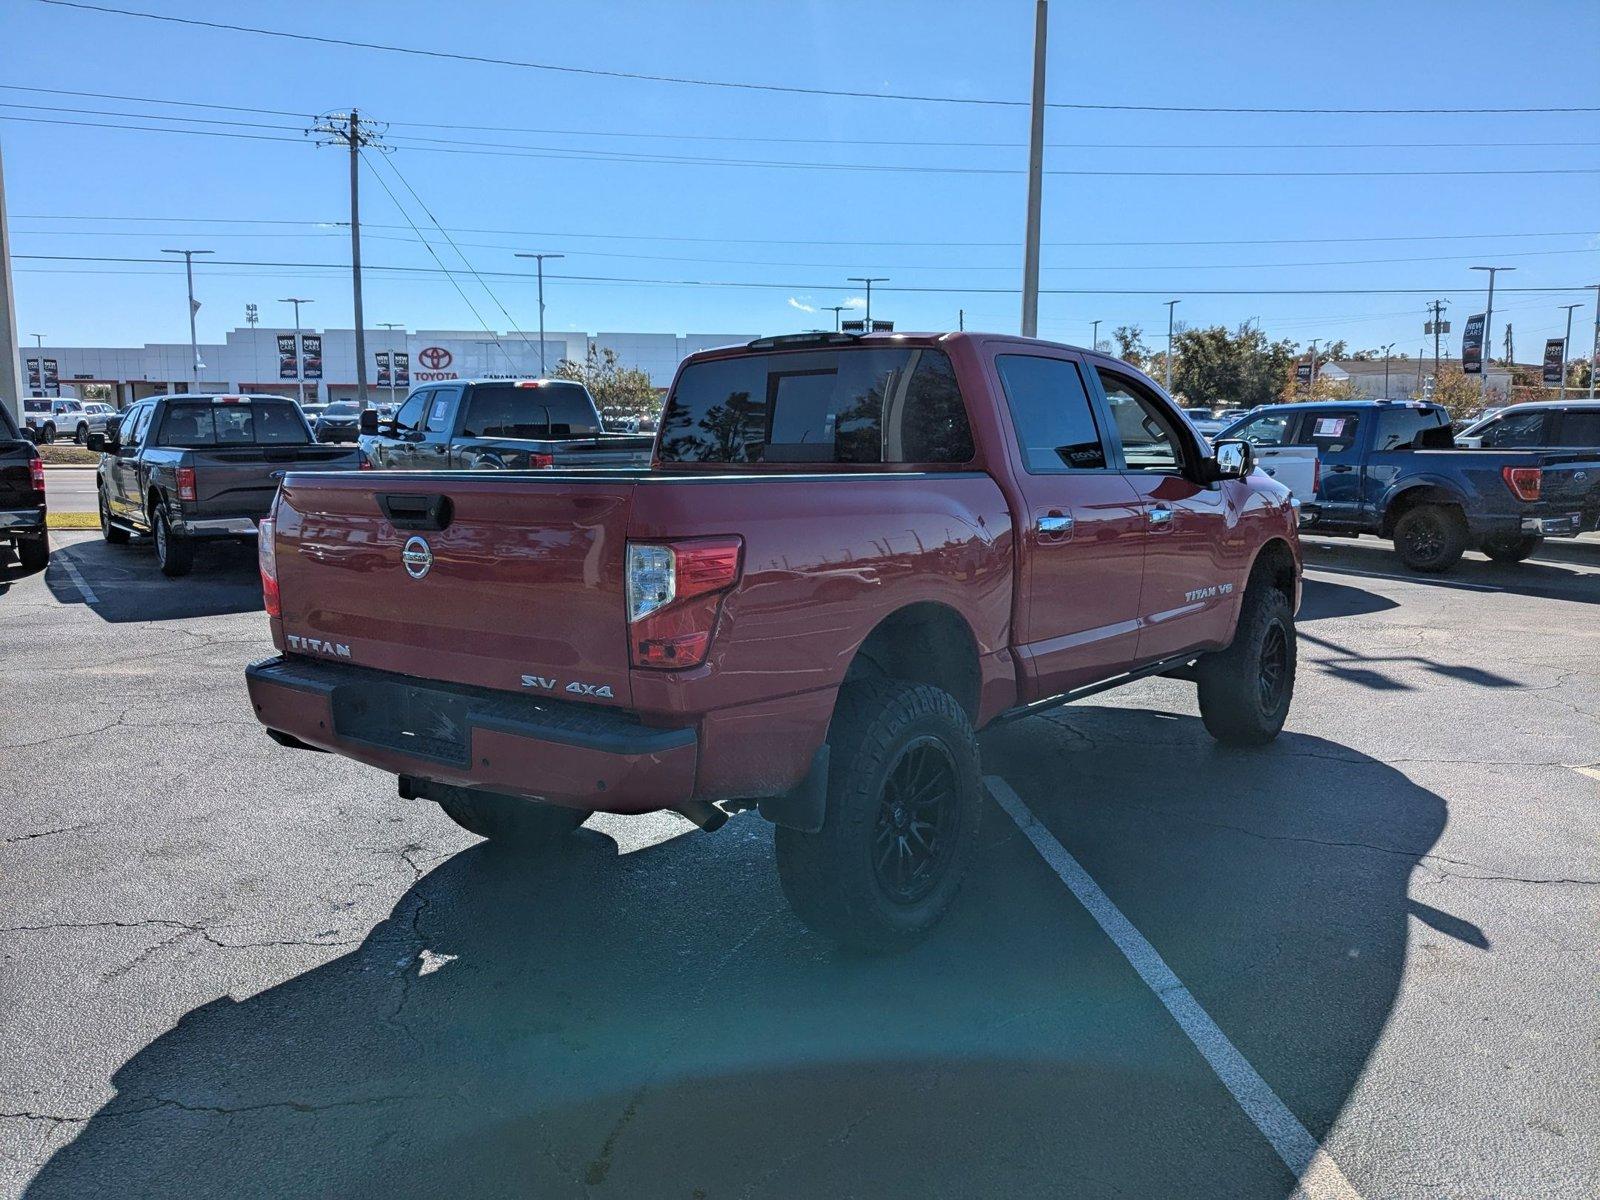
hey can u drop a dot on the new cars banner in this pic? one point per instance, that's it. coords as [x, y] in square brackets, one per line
[1555, 359]
[52, 376]
[33, 374]
[288, 366]
[383, 367]
[1302, 371]
[402, 368]
[1472, 346]
[311, 355]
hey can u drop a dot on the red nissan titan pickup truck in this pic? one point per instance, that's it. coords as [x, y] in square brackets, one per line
[847, 555]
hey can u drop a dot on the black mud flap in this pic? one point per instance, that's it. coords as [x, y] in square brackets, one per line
[806, 806]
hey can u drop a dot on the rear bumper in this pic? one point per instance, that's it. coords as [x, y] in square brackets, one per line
[203, 527]
[23, 521]
[578, 755]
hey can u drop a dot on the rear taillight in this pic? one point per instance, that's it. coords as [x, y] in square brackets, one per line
[267, 557]
[1524, 482]
[186, 483]
[36, 473]
[675, 592]
[366, 463]
[541, 462]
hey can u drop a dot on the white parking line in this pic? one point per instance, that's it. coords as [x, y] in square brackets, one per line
[1433, 580]
[1320, 1177]
[78, 581]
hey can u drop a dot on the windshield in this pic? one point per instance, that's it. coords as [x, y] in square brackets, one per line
[858, 405]
[343, 408]
[262, 422]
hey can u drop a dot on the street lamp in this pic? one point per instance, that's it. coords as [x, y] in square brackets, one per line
[869, 280]
[391, 326]
[1386, 351]
[188, 270]
[1488, 330]
[1094, 338]
[1566, 348]
[835, 309]
[300, 383]
[540, 259]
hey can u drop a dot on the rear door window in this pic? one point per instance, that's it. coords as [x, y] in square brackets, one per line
[442, 409]
[1330, 432]
[1051, 412]
[865, 405]
[1580, 427]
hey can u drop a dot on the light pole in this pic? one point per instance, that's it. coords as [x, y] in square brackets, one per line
[188, 270]
[300, 383]
[1170, 304]
[1386, 351]
[1566, 348]
[540, 260]
[1094, 338]
[391, 326]
[869, 280]
[1594, 346]
[835, 309]
[1488, 326]
[1030, 251]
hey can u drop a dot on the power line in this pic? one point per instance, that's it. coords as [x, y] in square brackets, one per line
[777, 140]
[790, 89]
[647, 237]
[816, 285]
[568, 155]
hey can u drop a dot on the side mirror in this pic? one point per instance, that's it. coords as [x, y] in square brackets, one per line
[112, 436]
[1232, 459]
[369, 420]
[97, 443]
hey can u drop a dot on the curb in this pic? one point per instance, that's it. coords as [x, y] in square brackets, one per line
[71, 466]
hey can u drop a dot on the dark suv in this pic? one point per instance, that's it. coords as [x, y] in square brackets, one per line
[22, 512]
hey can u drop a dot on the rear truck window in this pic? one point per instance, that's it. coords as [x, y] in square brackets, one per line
[1399, 427]
[851, 405]
[550, 410]
[258, 423]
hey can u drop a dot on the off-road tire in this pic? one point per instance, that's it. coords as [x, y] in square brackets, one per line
[1431, 537]
[81, 434]
[34, 552]
[174, 552]
[1512, 550]
[835, 879]
[1245, 690]
[510, 821]
[114, 535]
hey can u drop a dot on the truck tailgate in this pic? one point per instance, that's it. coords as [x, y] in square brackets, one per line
[521, 589]
[241, 480]
[1571, 484]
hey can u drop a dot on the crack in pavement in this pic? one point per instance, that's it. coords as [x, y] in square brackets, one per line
[44, 833]
[184, 928]
[156, 1103]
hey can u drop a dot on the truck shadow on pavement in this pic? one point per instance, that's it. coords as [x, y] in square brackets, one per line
[123, 583]
[1556, 571]
[655, 1023]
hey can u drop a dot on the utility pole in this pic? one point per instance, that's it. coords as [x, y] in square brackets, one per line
[1170, 304]
[869, 280]
[1030, 254]
[1094, 337]
[1436, 308]
[835, 309]
[1488, 326]
[1566, 349]
[1386, 351]
[188, 270]
[346, 128]
[300, 383]
[1511, 355]
[961, 320]
[1594, 346]
[10, 359]
[540, 263]
[1311, 384]
[391, 326]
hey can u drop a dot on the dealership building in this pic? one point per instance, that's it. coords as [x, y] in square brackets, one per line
[257, 360]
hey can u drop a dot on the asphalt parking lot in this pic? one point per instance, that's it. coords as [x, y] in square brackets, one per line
[227, 968]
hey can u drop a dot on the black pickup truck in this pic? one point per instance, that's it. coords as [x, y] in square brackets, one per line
[499, 424]
[186, 468]
[22, 495]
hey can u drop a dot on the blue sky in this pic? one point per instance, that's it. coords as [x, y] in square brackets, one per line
[808, 229]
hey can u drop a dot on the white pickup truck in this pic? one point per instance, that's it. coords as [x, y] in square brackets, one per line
[1296, 467]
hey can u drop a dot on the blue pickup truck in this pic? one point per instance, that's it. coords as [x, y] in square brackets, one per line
[1391, 468]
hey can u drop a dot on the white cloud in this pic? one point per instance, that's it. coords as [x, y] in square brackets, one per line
[856, 302]
[801, 305]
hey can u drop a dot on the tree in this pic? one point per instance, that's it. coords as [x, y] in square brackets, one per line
[1130, 345]
[611, 384]
[1459, 394]
[1217, 369]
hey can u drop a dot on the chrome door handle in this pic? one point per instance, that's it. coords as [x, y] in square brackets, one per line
[1160, 516]
[1055, 525]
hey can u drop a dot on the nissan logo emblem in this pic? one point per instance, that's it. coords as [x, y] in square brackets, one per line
[417, 558]
[434, 358]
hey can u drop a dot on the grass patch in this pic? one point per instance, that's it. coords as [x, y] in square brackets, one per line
[59, 454]
[71, 520]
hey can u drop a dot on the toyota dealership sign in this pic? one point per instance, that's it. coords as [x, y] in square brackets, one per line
[433, 362]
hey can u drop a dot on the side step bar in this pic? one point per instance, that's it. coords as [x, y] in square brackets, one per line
[1178, 668]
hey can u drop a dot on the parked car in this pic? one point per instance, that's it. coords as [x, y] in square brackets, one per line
[1555, 424]
[1391, 468]
[22, 499]
[850, 552]
[338, 422]
[1295, 466]
[499, 424]
[189, 467]
[1205, 421]
[49, 419]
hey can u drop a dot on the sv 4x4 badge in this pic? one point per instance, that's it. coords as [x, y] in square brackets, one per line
[601, 691]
